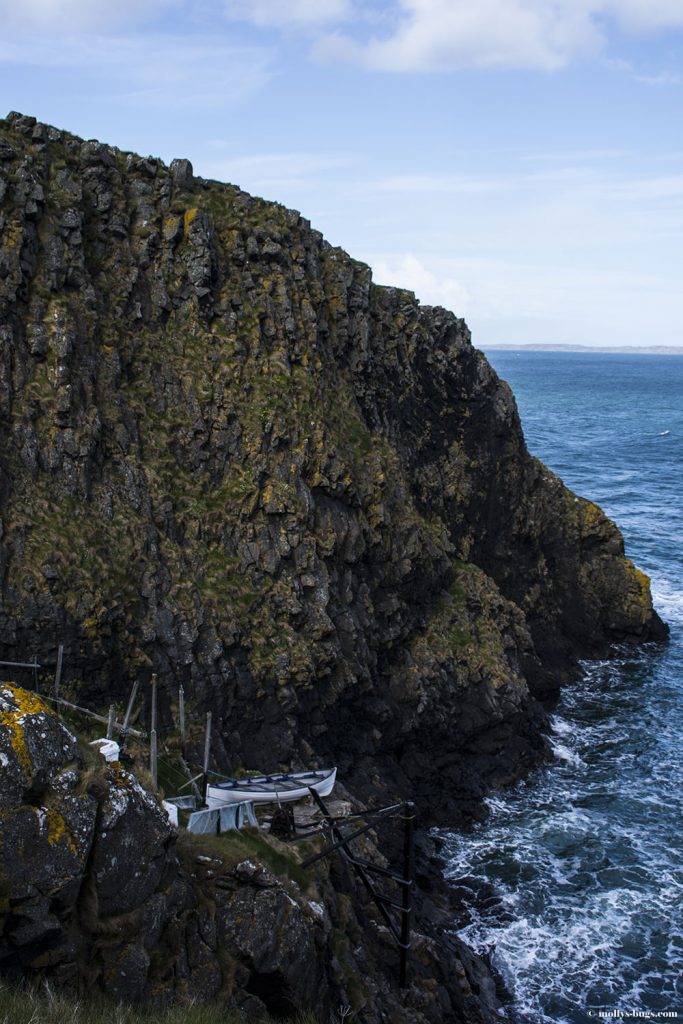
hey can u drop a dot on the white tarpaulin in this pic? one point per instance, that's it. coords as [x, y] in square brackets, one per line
[222, 819]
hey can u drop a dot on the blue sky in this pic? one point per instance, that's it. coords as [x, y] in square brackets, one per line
[519, 161]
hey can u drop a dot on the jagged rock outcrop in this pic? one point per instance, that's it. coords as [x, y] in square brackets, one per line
[228, 457]
[95, 896]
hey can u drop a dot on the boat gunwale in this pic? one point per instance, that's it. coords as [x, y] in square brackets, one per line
[273, 783]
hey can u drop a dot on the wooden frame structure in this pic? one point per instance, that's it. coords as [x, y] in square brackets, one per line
[365, 868]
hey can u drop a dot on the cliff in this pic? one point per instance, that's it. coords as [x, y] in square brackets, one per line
[99, 894]
[229, 458]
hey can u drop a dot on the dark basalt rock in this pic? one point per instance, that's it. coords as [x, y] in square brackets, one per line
[94, 896]
[229, 458]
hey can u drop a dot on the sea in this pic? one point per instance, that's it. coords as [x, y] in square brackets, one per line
[574, 882]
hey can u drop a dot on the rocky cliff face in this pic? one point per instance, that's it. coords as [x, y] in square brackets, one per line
[228, 457]
[99, 894]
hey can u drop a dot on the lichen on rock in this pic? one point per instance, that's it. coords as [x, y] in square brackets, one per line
[100, 896]
[234, 460]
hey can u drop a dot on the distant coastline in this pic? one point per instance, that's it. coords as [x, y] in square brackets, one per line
[645, 350]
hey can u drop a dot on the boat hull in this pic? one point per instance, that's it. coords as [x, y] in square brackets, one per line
[272, 789]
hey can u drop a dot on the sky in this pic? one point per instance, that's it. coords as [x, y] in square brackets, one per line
[517, 161]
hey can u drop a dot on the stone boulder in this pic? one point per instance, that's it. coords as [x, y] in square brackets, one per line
[95, 897]
[133, 847]
[46, 831]
[277, 937]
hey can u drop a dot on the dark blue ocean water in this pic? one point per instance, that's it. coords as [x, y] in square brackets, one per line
[585, 858]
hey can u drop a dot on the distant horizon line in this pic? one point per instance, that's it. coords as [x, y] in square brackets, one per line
[662, 350]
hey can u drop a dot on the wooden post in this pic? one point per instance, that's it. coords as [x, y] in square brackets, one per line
[181, 715]
[91, 714]
[207, 753]
[58, 672]
[129, 711]
[153, 735]
[110, 721]
[407, 886]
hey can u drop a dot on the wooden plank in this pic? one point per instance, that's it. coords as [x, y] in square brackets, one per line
[181, 714]
[153, 735]
[125, 729]
[90, 714]
[58, 671]
[110, 721]
[207, 753]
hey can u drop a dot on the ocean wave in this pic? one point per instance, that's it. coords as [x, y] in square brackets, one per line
[563, 753]
[561, 963]
[668, 600]
[579, 872]
[581, 867]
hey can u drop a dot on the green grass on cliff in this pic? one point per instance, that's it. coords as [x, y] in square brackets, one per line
[43, 1006]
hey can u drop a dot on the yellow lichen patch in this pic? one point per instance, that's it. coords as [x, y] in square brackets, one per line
[189, 217]
[19, 703]
[644, 580]
[591, 519]
[57, 829]
[117, 774]
[642, 583]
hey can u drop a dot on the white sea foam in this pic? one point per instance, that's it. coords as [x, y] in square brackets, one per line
[560, 726]
[668, 600]
[585, 858]
[561, 751]
[496, 804]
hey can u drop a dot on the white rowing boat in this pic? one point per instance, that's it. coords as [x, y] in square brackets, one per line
[265, 789]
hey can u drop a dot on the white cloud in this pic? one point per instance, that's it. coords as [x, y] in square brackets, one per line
[389, 35]
[282, 166]
[74, 16]
[578, 156]
[661, 78]
[643, 15]
[446, 35]
[288, 12]
[408, 271]
[150, 70]
[443, 183]
[288, 177]
[660, 189]
[573, 253]
[442, 35]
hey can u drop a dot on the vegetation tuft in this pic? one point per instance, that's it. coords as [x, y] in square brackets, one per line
[45, 1006]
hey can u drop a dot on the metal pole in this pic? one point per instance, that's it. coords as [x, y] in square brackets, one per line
[20, 664]
[58, 672]
[407, 886]
[129, 711]
[153, 735]
[181, 714]
[207, 753]
[110, 721]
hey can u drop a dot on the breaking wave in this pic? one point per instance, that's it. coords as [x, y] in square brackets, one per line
[574, 883]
